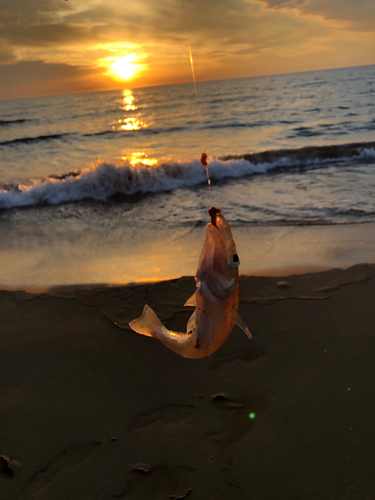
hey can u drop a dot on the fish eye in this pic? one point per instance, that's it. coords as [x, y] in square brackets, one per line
[236, 260]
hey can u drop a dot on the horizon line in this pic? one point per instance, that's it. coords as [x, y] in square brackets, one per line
[189, 82]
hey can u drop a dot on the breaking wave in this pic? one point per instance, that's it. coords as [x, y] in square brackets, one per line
[104, 180]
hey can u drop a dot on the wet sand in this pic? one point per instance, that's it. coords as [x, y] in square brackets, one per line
[149, 254]
[92, 411]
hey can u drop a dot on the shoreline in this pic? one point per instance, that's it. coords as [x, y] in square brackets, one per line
[144, 257]
[281, 272]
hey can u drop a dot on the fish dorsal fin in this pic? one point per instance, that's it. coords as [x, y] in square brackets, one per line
[238, 321]
[192, 301]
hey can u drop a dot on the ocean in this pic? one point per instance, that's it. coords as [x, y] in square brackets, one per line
[107, 187]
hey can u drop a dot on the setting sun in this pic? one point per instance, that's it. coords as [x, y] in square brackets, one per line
[124, 68]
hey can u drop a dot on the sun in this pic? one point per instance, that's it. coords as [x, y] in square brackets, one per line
[124, 68]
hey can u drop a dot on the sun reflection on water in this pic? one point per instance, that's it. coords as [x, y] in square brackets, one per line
[140, 157]
[128, 101]
[130, 122]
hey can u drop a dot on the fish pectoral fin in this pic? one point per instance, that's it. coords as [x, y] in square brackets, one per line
[191, 301]
[238, 321]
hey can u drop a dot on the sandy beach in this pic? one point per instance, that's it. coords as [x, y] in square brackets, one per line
[91, 410]
[122, 126]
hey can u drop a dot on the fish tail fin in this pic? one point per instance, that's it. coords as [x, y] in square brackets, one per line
[147, 322]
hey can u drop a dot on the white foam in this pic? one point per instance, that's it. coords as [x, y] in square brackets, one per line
[106, 179]
[367, 154]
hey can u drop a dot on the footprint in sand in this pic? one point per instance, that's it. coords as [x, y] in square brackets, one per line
[233, 419]
[247, 355]
[167, 414]
[158, 482]
[221, 419]
[70, 458]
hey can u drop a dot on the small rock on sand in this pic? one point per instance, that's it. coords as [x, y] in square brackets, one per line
[145, 468]
[9, 467]
[282, 284]
[220, 397]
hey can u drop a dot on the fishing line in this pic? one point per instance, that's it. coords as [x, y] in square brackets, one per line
[204, 156]
[191, 59]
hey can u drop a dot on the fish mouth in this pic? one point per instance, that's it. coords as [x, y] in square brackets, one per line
[212, 213]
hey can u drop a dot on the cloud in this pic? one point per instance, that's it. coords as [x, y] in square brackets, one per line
[46, 79]
[46, 35]
[239, 37]
[38, 71]
[54, 22]
[212, 24]
[7, 55]
[358, 14]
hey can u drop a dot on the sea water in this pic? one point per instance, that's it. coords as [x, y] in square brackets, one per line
[108, 186]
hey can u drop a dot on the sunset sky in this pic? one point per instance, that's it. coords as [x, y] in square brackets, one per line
[50, 47]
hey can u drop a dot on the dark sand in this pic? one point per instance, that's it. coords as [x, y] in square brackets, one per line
[83, 402]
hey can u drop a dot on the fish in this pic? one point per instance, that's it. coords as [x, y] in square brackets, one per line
[216, 298]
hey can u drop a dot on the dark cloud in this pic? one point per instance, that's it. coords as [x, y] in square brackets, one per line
[278, 4]
[53, 22]
[359, 13]
[45, 35]
[20, 10]
[39, 71]
[244, 52]
[219, 17]
[223, 34]
[48, 23]
[34, 78]
[7, 55]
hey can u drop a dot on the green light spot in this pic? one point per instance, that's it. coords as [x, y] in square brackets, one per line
[252, 415]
